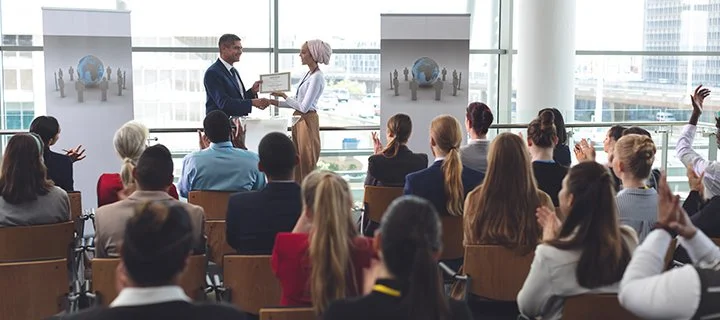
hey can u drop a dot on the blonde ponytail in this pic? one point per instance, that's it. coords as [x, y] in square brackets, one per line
[447, 134]
[126, 172]
[331, 238]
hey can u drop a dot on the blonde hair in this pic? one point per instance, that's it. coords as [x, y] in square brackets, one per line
[328, 197]
[446, 132]
[637, 153]
[493, 218]
[129, 142]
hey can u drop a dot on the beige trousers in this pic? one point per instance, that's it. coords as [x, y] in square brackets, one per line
[306, 137]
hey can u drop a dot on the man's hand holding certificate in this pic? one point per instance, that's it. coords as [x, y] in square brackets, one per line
[275, 82]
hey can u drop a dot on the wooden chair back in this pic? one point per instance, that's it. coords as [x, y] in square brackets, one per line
[452, 237]
[39, 242]
[669, 254]
[595, 307]
[716, 241]
[214, 203]
[287, 314]
[496, 273]
[75, 205]
[377, 200]
[103, 278]
[33, 290]
[251, 282]
[217, 241]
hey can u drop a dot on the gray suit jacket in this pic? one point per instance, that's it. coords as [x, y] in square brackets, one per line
[110, 221]
[53, 207]
[474, 155]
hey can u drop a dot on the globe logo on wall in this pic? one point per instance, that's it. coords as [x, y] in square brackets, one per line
[425, 71]
[90, 70]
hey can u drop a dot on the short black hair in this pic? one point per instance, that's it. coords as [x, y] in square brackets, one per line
[616, 132]
[637, 130]
[154, 169]
[227, 40]
[277, 155]
[47, 127]
[217, 126]
[158, 239]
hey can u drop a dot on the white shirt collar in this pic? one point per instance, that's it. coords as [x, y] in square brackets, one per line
[226, 64]
[131, 297]
[474, 141]
[439, 159]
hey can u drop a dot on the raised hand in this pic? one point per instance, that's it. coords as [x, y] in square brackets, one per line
[668, 203]
[697, 99]
[549, 222]
[203, 140]
[76, 154]
[695, 181]
[377, 145]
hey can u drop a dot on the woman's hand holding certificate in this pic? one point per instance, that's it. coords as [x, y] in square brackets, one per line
[275, 82]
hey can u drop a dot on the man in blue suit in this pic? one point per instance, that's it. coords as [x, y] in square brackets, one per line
[223, 86]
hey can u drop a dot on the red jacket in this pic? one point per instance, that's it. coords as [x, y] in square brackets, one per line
[110, 184]
[290, 263]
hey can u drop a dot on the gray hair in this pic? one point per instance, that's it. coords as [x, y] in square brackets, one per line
[130, 141]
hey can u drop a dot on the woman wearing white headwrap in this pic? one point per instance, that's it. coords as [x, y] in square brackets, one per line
[306, 132]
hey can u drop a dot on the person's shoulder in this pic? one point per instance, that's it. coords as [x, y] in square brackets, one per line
[191, 208]
[290, 239]
[58, 192]
[219, 311]
[346, 309]
[90, 313]
[214, 67]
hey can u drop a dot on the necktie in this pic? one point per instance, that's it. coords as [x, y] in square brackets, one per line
[237, 77]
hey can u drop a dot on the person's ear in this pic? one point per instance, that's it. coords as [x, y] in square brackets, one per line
[377, 241]
[529, 142]
[432, 142]
[555, 140]
[571, 199]
[260, 167]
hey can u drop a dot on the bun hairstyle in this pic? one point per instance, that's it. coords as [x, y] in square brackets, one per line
[542, 131]
[559, 124]
[400, 126]
[637, 153]
[158, 239]
[411, 238]
[480, 117]
[327, 196]
[447, 134]
[130, 141]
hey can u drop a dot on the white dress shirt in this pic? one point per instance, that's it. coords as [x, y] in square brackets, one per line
[308, 94]
[240, 85]
[688, 156]
[651, 294]
[133, 297]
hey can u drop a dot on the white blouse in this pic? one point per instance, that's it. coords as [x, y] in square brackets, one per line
[308, 94]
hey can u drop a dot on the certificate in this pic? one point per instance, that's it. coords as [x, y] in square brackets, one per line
[275, 82]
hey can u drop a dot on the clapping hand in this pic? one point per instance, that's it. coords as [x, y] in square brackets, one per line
[698, 98]
[279, 94]
[377, 145]
[75, 154]
[256, 86]
[238, 135]
[670, 213]
[203, 140]
[549, 222]
[584, 151]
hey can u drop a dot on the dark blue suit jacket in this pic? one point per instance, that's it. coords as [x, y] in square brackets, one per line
[430, 184]
[223, 92]
[255, 217]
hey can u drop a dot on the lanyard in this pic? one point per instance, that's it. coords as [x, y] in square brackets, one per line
[386, 290]
[297, 92]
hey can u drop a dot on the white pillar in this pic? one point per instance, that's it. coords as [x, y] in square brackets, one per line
[546, 58]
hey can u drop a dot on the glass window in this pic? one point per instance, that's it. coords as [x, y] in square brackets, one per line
[26, 79]
[163, 86]
[18, 115]
[483, 80]
[21, 74]
[10, 79]
[351, 96]
[361, 28]
[199, 23]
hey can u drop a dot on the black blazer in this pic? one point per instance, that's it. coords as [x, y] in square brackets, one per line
[378, 305]
[223, 92]
[59, 169]
[561, 155]
[430, 184]
[391, 172]
[255, 217]
[176, 310]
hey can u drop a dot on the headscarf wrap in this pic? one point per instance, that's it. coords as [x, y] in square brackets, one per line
[320, 51]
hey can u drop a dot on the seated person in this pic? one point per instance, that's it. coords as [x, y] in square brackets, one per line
[221, 166]
[541, 139]
[157, 244]
[130, 141]
[59, 166]
[585, 254]
[323, 258]
[680, 293]
[478, 119]
[446, 182]
[153, 174]
[27, 197]
[405, 282]
[389, 166]
[561, 154]
[255, 217]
